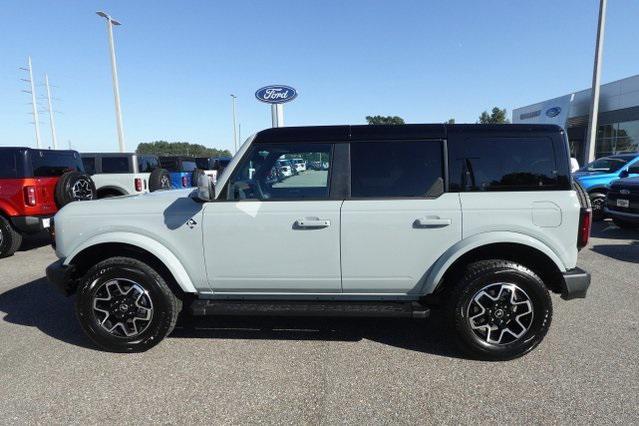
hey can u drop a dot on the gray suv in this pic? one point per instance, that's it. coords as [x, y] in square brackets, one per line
[480, 221]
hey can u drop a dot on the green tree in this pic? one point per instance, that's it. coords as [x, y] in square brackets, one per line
[180, 148]
[496, 116]
[381, 119]
[451, 121]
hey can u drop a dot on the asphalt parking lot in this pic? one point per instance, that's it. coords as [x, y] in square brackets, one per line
[322, 371]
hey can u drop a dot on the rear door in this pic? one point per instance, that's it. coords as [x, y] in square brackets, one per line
[399, 219]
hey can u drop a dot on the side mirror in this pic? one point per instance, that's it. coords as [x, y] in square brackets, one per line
[205, 188]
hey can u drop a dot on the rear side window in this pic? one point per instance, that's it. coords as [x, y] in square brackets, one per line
[502, 164]
[8, 165]
[89, 164]
[115, 164]
[396, 169]
[146, 163]
[54, 163]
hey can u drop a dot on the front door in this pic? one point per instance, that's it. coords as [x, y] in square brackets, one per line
[277, 231]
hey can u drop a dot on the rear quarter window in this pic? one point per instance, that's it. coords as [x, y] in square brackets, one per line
[8, 165]
[115, 165]
[503, 164]
[146, 163]
[54, 163]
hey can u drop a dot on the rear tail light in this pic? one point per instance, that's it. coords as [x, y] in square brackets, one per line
[30, 195]
[138, 184]
[185, 181]
[585, 222]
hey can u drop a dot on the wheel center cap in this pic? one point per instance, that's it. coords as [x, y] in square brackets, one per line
[124, 307]
[499, 313]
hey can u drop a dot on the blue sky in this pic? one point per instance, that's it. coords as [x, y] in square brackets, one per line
[178, 61]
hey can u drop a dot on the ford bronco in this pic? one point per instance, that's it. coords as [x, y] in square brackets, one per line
[478, 222]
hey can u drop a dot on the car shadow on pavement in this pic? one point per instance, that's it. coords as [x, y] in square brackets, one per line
[37, 304]
[30, 242]
[607, 229]
[428, 336]
[623, 252]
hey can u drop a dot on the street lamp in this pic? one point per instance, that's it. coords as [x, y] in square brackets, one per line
[233, 97]
[114, 72]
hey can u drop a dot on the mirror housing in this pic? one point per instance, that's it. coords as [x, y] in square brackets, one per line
[205, 188]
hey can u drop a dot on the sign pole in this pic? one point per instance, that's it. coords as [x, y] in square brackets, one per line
[596, 74]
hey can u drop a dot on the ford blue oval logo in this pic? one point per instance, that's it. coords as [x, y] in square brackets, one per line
[276, 94]
[553, 112]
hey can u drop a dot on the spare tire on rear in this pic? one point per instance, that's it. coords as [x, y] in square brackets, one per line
[159, 179]
[74, 186]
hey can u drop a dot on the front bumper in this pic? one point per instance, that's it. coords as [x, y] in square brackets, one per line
[576, 283]
[626, 217]
[62, 276]
[31, 224]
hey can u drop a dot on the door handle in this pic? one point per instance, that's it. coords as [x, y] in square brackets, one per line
[431, 222]
[311, 222]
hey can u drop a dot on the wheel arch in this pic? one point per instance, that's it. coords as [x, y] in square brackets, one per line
[110, 190]
[522, 249]
[137, 247]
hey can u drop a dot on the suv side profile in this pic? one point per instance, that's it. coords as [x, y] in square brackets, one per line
[34, 183]
[118, 174]
[482, 221]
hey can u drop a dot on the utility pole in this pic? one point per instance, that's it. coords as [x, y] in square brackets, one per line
[34, 105]
[239, 132]
[233, 97]
[596, 78]
[114, 73]
[53, 135]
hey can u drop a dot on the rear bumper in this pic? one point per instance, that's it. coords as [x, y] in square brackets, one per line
[576, 283]
[62, 276]
[626, 217]
[31, 224]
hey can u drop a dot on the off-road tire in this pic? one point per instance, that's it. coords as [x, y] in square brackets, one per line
[74, 186]
[159, 179]
[10, 239]
[477, 276]
[166, 306]
[598, 202]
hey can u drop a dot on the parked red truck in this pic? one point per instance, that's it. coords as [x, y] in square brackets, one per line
[34, 184]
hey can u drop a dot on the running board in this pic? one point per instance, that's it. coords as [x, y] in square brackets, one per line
[308, 309]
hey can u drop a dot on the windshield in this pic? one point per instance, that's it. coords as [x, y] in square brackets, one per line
[605, 165]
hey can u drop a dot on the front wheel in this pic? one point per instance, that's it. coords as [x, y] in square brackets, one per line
[125, 306]
[500, 310]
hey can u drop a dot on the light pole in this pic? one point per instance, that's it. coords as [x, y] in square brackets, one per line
[596, 77]
[54, 137]
[233, 97]
[114, 72]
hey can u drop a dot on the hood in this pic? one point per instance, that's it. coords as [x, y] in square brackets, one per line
[152, 202]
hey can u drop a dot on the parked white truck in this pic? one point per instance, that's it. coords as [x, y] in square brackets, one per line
[482, 221]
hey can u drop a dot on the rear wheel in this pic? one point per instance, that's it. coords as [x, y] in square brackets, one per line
[10, 239]
[598, 201]
[500, 310]
[125, 306]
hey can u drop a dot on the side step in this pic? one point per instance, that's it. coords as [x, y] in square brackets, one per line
[309, 308]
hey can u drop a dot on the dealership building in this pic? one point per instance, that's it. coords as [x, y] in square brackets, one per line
[618, 117]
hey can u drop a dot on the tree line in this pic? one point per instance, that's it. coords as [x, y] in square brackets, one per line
[495, 116]
[180, 148]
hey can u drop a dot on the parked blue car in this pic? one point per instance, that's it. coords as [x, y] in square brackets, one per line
[596, 177]
[180, 169]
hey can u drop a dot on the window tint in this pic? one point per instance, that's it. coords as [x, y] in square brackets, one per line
[203, 163]
[115, 164]
[8, 165]
[54, 163]
[89, 164]
[188, 165]
[269, 174]
[502, 164]
[396, 169]
[146, 163]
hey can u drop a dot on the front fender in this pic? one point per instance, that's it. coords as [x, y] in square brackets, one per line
[436, 273]
[158, 250]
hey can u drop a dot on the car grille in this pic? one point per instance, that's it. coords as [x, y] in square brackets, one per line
[629, 193]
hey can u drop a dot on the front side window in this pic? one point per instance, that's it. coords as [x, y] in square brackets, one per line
[268, 173]
[403, 169]
[502, 164]
[115, 164]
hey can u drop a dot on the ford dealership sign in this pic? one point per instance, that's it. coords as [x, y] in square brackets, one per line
[276, 94]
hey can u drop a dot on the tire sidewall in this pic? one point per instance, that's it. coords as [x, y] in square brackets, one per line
[162, 309]
[64, 188]
[7, 238]
[542, 314]
[155, 180]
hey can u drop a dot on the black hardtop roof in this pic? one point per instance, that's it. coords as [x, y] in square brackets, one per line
[111, 154]
[396, 132]
[26, 148]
